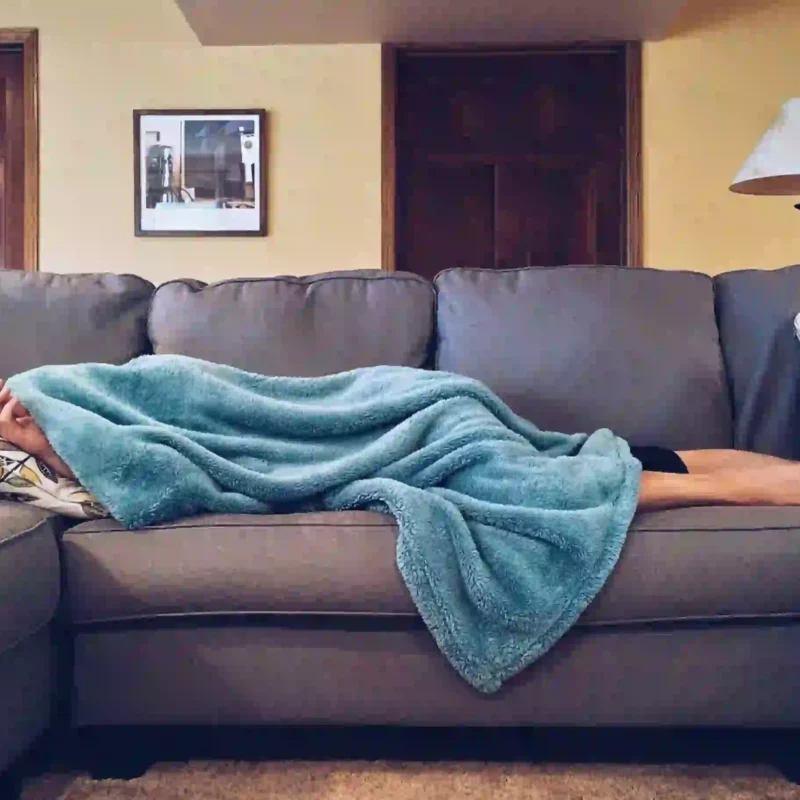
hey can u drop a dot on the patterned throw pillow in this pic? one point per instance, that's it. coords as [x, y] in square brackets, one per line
[26, 479]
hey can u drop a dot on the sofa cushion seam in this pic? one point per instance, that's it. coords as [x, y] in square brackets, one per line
[29, 634]
[218, 526]
[17, 535]
[584, 624]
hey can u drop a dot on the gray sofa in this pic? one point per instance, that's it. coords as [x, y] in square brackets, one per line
[251, 620]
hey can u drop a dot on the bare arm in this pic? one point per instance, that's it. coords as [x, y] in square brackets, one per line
[19, 427]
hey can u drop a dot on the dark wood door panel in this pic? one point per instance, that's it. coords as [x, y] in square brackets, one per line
[448, 216]
[537, 223]
[510, 104]
[12, 161]
[511, 159]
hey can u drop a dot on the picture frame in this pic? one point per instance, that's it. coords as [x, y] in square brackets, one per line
[200, 172]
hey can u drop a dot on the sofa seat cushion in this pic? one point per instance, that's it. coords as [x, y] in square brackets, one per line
[324, 563]
[691, 564]
[29, 571]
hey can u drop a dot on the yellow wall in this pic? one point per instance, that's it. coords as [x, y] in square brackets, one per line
[100, 59]
[710, 91]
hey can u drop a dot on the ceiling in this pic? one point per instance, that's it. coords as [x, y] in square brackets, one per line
[263, 22]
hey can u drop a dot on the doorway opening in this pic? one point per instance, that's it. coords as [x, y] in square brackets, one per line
[505, 158]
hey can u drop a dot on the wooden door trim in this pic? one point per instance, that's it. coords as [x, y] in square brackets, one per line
[634, 246]
[28, 40]
[633, 136]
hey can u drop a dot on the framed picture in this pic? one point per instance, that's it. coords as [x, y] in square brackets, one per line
[200, 173]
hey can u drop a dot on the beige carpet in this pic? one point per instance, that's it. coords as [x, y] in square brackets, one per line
[399, 781]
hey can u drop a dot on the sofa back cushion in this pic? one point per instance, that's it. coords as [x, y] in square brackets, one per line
[581, 348]
[756, 311]
[67, 319]
[310, 326]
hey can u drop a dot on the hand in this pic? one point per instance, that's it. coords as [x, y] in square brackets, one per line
[19, 427]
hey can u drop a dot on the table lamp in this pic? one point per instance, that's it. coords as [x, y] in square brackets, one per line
[774, 165]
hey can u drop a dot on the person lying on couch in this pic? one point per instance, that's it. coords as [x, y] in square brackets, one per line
[505, 534]
[670, 479]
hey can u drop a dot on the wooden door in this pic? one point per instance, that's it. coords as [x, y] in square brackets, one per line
[511, 159]
[12, 160]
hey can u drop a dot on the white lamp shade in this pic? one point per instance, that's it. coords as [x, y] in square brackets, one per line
[774, 165]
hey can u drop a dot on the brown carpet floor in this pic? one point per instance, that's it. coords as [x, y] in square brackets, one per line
[203, 780]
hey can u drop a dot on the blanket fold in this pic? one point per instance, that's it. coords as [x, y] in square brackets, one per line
[506, 532]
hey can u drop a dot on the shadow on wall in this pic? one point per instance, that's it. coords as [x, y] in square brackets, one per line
[701, 15]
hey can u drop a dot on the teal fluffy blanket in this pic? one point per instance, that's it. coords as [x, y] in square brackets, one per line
[506, 532]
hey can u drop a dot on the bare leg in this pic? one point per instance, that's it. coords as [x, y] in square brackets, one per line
[715, 460]
[660, 490]
[777, 484]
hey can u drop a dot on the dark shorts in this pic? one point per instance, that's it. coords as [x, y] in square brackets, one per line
[659, 459]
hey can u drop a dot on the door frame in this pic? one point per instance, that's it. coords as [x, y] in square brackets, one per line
[633, 137]
[27, 39]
